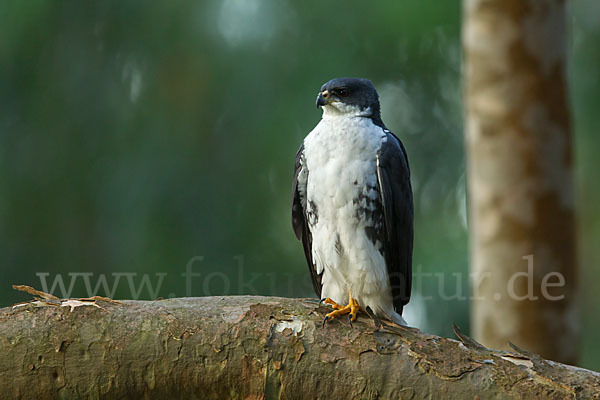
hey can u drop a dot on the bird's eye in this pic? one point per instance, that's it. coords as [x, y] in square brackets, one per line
[344, 92]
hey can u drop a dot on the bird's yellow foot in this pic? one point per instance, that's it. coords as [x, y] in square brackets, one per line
[351, 309]
[332, 303]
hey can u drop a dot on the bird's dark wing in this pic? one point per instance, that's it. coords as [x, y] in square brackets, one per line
[299, 218]
[393, 174]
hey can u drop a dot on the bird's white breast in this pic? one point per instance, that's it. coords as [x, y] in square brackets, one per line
[341, 154]
[340, 157]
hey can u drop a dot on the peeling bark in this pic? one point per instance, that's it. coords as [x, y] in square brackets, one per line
[520, 171]
[250, 347]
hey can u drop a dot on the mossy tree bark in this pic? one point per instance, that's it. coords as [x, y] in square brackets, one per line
[520, 172]
[255, 348]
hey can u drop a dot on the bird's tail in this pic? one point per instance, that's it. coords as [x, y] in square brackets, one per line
[397, 318]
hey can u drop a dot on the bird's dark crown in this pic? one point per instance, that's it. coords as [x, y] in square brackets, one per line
[356, 92]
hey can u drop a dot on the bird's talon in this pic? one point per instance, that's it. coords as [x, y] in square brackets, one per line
[332, 303]
[351, 310]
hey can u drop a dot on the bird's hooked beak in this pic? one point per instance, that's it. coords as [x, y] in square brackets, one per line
[323, 98]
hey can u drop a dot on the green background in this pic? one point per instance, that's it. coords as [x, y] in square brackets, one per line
[136, 137]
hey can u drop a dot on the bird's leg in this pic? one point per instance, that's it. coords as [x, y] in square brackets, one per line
[351, 309]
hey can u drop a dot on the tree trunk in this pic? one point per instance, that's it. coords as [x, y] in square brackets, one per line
[520, 176]
[255, 348]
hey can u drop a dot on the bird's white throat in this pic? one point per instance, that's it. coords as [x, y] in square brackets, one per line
[338, 109]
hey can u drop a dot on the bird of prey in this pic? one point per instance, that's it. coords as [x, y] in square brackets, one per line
[352, 205]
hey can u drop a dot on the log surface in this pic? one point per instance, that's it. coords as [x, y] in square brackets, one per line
[250, 347]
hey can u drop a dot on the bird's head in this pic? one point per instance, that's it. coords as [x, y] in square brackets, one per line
[352, 96]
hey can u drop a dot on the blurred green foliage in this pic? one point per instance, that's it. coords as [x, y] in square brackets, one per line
[136, 136]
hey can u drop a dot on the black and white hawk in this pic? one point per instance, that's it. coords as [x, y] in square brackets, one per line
[352, 205]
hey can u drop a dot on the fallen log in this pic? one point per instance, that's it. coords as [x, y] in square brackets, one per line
[250, 347]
